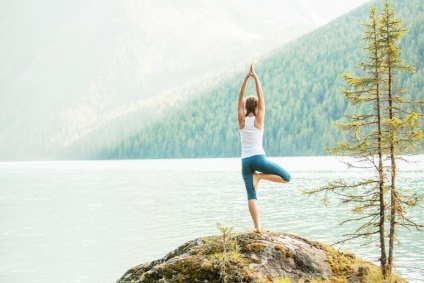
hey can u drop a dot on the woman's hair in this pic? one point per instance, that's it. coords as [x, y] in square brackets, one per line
[251, 104]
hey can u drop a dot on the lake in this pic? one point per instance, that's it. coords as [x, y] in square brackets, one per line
[90, 221]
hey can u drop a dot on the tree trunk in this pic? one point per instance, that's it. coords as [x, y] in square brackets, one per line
[383, 255]
[393, 194]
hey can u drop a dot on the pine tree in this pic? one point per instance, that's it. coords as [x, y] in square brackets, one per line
[385, 128]
[365, 140]
[403, 133]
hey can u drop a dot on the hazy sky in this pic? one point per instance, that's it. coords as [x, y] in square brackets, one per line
[331, 9]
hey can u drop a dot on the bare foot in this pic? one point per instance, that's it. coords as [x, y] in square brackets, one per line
[255, 181]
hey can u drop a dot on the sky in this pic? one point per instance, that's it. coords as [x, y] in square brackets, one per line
[331, 9]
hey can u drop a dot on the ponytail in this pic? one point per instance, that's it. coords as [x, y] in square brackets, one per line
[251, 105]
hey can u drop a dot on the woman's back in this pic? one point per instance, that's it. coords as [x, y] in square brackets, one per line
[251, 138]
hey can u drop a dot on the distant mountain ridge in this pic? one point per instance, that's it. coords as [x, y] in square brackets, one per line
[301, 84]
[70, 68]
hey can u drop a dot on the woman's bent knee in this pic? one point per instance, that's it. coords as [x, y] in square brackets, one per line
[288, 179]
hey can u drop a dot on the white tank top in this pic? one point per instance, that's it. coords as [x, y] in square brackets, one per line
[251, 138]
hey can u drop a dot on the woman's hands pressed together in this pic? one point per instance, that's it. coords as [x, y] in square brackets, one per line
[251, 73]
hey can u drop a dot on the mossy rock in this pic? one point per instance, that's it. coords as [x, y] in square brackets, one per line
[251, 257]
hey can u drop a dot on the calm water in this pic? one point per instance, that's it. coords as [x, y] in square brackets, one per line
[90, 221]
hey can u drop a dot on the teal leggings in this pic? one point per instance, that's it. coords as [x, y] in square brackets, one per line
[259, 163]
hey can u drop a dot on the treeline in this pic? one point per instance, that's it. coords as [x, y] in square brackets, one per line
[301, 84]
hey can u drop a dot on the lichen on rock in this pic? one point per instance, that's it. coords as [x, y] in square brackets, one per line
[254, 257]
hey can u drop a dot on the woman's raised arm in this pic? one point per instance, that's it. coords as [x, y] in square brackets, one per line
[260, 115]
[240, 108]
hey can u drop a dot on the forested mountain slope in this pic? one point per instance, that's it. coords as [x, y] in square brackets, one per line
[68, 68]
[301, 84]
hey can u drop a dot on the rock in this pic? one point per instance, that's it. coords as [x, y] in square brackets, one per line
[250, 257]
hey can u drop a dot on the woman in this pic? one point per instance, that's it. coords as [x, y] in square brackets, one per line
[255, 165]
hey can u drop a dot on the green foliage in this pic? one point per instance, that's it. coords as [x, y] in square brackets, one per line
[226, 253]
[301, 85]
[385, 127]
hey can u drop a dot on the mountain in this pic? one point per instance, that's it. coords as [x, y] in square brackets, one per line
[301, 84]
[68, 69]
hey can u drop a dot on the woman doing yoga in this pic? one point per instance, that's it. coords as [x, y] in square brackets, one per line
[255, 165]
